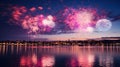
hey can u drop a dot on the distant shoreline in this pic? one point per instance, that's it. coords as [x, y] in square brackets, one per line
[64, 43]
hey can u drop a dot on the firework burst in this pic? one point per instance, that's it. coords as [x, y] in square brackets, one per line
[70, 19]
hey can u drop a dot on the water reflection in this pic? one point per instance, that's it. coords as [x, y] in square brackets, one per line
[43, 61]
[61, 56]
[47, 61]
[72, 62]
[106, 61]
[86, 60]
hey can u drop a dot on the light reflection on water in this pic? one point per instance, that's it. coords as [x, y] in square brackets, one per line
[60, 56]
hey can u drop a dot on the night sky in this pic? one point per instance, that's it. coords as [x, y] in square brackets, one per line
[14, 13]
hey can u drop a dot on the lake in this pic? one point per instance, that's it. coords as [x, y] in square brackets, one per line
[59, 56]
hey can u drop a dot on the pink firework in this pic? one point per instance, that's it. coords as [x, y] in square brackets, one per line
[38, 23]
[34, 24]
[46, 23]
[82, 19]
[31, 23]
[78, 20]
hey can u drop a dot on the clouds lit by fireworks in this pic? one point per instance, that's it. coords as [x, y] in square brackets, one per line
[76, 20]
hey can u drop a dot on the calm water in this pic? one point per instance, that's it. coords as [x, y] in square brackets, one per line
[59, 56]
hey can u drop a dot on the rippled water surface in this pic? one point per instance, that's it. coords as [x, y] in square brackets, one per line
[59, 56]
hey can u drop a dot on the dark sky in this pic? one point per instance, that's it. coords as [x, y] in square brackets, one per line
[9, 31]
